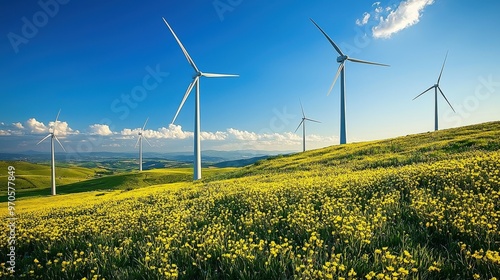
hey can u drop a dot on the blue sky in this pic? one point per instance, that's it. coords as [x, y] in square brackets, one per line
[110, 65]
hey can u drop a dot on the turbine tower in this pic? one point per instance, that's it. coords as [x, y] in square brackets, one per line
[342, 58]
[196, 82]
[139, 142]
[53, 136]
[303, 123]
[436, 88]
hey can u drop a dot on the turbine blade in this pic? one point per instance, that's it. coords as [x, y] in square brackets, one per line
[145, 124]
[147, 141]
[336, 77]
[57, 117]
[366, 62]
[308, 119]
[328, 38]
[55, 122]
[44, 138]
[439, 79]
[299, 125]
[423, 92]
[189, 59]
[213, 75]
[137, 143]
[302, 108]
[446, 98]
[191, 85]
[59, 143]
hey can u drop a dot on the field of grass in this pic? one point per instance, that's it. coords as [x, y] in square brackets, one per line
[124, 181]
[37, 176]
[424, 206]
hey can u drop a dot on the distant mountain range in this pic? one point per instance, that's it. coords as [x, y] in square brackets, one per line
[209, 157]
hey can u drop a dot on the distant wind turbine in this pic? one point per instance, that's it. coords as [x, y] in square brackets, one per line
[341, 70]
[303, 123]
[53, 136]
[196, 81]
[436, 88]
[139, 142]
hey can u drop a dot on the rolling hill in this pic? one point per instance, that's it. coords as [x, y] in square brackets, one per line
[423, 206]
[34, 176]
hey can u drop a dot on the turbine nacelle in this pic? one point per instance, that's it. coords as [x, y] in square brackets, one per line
[342, 58]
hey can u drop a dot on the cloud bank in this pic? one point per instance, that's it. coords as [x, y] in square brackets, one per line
[390, 20]
[174, 137]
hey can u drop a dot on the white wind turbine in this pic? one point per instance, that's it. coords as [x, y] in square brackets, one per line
[342, 58]
[139, 142]
[436, 88]
[53, 136]
[196, 81]
[303, 123]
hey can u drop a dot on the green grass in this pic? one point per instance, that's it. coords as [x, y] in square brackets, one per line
[37, 176]
[78, 183]
[412, 149]
[423, 206]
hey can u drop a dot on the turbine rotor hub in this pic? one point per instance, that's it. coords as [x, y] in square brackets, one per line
[342, 58]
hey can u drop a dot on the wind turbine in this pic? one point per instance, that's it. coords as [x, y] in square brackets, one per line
[53, 136]
[342, 58]
[139, 142]
[436, 88]
[303, 123]
[196, 81]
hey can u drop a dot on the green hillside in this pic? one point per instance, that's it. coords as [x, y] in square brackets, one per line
[419, 148]
[423, 206]
[82, 180]
[35, 176]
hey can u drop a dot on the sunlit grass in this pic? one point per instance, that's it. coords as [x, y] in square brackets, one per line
[417, 207]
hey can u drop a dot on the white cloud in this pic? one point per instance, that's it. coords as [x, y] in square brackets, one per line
[172, 132]
[100, 129]
[364, 20]
[243, 135]
[5, 133]
[405, 15]
[35, 126]
[18, 125]
[219, 135]
[62, 128]
[287, 141]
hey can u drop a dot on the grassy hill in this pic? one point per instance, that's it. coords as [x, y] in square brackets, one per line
[36, 176]
[73, 181]
[423, 206]
[412, 149]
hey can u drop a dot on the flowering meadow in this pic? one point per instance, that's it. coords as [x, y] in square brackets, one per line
[418, 207]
